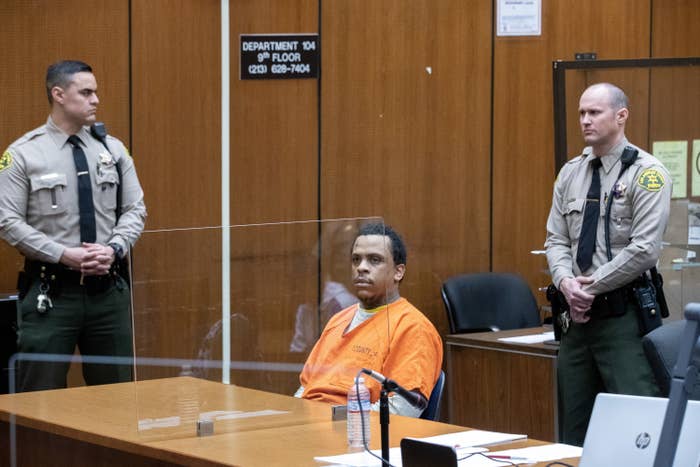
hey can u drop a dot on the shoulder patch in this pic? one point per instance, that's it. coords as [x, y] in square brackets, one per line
[651, 180]
[5, 160]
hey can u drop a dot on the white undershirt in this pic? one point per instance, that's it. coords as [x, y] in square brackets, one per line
[361, 315]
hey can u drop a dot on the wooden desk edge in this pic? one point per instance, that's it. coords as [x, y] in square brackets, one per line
[489, 340]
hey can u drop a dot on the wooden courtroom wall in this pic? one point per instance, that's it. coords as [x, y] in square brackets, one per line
[523, 150]
[676, 92]
[421, 116]
[175, 79]
[274, 178]
[405, 131]
[33, 36]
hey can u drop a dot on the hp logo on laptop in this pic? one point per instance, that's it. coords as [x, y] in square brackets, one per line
[643, 440]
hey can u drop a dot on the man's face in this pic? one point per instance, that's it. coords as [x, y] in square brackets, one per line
[79, 100]
[374, 274]
[600, 124]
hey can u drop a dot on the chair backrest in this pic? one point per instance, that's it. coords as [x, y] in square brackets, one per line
[661, 347]
[489, 301]
[432, 411]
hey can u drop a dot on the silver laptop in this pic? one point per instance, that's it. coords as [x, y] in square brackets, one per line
[624, 431]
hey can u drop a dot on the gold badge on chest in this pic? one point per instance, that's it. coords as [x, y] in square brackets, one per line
[619, 189]
[105, 158]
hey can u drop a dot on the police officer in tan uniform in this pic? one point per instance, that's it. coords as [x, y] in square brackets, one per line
[601, 349]
[70, 291]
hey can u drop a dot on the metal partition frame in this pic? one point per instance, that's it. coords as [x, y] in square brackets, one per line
[559, 68]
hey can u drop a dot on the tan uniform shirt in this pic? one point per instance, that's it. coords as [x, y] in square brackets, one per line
[39, 213]
[639, 214]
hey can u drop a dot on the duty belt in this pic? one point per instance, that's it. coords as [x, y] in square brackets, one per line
[58, 276]
[611, 304]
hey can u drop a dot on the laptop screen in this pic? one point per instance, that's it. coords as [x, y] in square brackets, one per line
[625, 430]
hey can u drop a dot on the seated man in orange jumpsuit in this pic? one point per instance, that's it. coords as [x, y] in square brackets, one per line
[383, 332]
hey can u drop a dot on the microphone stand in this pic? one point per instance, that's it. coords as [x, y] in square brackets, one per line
[384, 422]
[388, 386]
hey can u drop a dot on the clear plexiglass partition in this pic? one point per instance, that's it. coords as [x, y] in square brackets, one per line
[223, 320]
[680, 257]
[242, 305]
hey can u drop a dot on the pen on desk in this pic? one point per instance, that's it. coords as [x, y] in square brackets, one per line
[510, 458]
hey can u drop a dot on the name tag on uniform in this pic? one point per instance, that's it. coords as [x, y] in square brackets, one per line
[50, 176]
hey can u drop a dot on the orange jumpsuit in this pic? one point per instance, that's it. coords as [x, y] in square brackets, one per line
[398, 341]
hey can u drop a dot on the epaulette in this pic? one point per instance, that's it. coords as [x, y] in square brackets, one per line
[29, 136]
[577, 159]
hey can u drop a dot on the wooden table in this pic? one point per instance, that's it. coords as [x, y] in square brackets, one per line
[97, 425]
[500, 386]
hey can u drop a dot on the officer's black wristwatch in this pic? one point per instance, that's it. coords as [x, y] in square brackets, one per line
[118, 250]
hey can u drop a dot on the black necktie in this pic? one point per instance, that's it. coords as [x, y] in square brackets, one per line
[88, 230]
[586, 242]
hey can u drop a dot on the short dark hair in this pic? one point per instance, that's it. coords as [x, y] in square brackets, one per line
[398, 249]
[61, 73]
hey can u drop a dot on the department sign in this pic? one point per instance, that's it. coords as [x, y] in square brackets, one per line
[279, 56]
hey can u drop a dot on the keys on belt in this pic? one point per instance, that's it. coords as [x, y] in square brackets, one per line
[43, 301]
[564, 321]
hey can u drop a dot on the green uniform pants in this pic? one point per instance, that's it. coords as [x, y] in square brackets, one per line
[99, 325]
[603, 355]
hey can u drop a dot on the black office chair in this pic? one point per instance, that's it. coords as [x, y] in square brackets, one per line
[432, 411]
[661, 347]
[489, 302]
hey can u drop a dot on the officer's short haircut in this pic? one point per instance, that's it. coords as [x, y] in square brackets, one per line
[61, 74]
[618, 98]
[398, 249]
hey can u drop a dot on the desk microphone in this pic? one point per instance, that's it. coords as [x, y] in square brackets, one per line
[416, 400]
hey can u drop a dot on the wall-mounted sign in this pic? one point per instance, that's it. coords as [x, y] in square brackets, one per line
[279, 56]
[519, 18]
[674, 156]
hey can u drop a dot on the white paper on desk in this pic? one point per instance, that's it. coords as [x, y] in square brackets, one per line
[547, 452]
[530, 339]
[471, 438]
[364, 459]
[360, 459]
